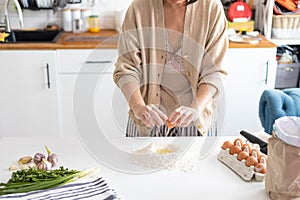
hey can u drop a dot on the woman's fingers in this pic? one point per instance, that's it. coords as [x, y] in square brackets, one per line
[146, 119]
[151, 115]
[160, 113]
[186, 121]
[183, 116]
[175, 115]
[156, 119]
[156, 115]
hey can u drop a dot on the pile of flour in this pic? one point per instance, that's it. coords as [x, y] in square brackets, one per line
[165, 156]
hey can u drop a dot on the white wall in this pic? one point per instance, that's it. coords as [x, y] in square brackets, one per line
[39, 19]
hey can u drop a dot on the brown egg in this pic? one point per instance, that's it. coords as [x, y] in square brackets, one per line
[243, 155]
[235, 150]
[263, 159]
[238, 142]
[255, 153]
[170, 125]
[246, 147]
[251, 161]
[227, 144]
[260, 168]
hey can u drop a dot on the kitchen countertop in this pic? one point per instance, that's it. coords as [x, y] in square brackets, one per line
[209, 179]
[105, 39]
[264, 43]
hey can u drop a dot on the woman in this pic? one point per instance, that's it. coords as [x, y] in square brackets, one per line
[169, 65]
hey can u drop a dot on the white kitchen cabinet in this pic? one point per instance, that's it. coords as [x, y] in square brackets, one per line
[29, 101]
[90, 99]
[250, 72]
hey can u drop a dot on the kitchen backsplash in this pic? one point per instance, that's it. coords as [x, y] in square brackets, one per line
[40, 18]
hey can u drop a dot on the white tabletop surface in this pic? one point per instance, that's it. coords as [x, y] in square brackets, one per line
[209, 179]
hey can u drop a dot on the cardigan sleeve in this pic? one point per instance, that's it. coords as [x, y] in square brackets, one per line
[211, 71]
[128, 65]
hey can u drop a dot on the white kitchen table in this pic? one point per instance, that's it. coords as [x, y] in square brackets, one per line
[208, 180]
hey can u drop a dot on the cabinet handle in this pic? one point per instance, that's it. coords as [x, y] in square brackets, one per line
[267, 73]
[98, 61]
[288, 69]
[48, 76]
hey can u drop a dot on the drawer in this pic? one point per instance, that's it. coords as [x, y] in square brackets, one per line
[86, 61]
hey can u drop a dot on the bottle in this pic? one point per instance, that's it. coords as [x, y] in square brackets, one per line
[119, 18]
[77, 26]
[76, 21]
[94, 24]
[85, 13]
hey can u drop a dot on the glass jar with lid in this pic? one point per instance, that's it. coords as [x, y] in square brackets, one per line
[94, 24]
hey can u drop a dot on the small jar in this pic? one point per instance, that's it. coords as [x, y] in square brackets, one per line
[94, 24]
[85, 13]
[67, 20]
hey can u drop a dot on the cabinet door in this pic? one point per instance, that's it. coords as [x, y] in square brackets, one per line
[85, 61]
[92, 103]
[88, 92]
[250, 72]
[29, 103]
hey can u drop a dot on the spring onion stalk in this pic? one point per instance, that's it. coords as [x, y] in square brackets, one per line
[21, 187]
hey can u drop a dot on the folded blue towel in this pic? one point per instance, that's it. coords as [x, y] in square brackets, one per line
[278, 103]
[93, 189]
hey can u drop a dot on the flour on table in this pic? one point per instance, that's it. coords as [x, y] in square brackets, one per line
[164, 156]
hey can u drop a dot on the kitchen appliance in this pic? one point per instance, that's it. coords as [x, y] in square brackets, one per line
[239, 11]
[73, 3]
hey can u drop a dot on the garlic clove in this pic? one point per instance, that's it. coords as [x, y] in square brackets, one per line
[38, 157]
[44, 165]
[13, 168]
[53, 159]
[32, 165]
[25, 160]
[24, 167]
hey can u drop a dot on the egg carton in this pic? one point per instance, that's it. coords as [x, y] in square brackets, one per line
[239, 167]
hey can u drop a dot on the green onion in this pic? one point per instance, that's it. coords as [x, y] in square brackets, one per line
[39, 184]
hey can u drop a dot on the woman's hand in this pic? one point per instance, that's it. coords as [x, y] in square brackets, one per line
[183, 116]
[150, 115]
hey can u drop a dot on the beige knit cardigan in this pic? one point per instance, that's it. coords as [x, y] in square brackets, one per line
[142, 52]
